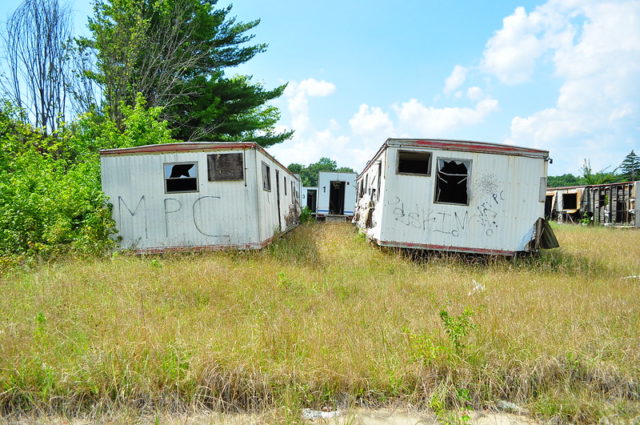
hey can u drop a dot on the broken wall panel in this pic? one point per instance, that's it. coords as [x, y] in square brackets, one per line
[612, 204]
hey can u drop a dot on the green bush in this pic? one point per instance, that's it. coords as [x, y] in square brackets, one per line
[51, 200]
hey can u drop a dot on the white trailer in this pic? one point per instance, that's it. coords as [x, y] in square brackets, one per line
[454, 195]
[336, 194]
[309, 198]
[193, 196]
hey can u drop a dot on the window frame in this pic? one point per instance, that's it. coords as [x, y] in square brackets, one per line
[165, 179]
[409, 151]
[266, 179]
[469, 164]
[210, 169]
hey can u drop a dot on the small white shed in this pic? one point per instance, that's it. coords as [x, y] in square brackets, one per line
[455, 195]
[336, 194]
[205, 195]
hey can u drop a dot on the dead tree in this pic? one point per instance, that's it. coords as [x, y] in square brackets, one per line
[35, 39]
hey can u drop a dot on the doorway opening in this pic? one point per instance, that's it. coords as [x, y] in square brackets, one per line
[336, 197]
[312, 196]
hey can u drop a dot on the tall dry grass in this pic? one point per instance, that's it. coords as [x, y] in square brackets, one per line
[323, 319]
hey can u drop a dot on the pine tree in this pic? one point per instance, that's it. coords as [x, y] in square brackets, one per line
[630, 166]
[176, 52]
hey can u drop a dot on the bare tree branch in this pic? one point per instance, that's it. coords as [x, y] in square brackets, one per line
[36, 37]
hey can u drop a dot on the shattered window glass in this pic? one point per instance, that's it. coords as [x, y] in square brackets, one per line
[452, 181]
[181, 177]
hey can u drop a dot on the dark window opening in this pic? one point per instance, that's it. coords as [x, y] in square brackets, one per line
[452, 181]
[225, 166]
[181, 177]
[414, 163]
[569, 201]
[285, 186]
[266, 177]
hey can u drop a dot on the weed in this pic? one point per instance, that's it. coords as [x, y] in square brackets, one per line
[457, 328]
[306, 216]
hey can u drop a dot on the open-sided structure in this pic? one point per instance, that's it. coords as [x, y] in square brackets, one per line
[205, 195]
[607, 204]
[455, 196]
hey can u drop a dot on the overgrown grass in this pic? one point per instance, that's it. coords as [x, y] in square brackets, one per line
[323, 319]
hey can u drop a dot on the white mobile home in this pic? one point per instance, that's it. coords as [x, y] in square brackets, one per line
[309, 198]
[455, 196]
[336, 194]
[205, 195]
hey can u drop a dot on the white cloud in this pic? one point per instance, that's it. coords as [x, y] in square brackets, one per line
[297, 95]
[456, 79]
[600, 70]
[475, 93]
[513, 51]
[421, 120]
[371, 121]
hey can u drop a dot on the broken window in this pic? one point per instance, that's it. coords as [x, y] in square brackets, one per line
[452, 181]
[266, 176]
[181, 177]
[225, 166]
[410, 162]
[569, 201]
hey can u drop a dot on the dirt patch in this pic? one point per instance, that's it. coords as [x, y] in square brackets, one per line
[350, 417]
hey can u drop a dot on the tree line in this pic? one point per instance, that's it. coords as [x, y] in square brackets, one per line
[149, 71]
[628, 170]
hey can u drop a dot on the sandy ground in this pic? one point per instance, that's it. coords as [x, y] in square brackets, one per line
[347, 417]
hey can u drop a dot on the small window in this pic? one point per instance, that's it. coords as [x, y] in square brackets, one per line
[418, 163]
[266, 176]
[452, 181]
[181, 177]
[285, 185]
[225, 166]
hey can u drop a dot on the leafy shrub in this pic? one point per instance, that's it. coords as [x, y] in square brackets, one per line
[50, 193]
[305, 215]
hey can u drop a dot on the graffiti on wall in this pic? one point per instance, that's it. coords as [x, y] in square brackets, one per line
[486, 215]
[171, 209]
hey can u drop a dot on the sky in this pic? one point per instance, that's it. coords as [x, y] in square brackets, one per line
[562, 76]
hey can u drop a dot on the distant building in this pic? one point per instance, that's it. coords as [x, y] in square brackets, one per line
[450, 195]
[206, 195]
[606, 204]
[309, 198]
[336, 194]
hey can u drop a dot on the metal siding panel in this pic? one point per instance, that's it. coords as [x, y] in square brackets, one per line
[267, 200]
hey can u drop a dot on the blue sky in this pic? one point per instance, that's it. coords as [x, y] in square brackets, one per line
[557, 75]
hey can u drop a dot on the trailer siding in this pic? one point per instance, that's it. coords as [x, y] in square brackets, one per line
[219, 215]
